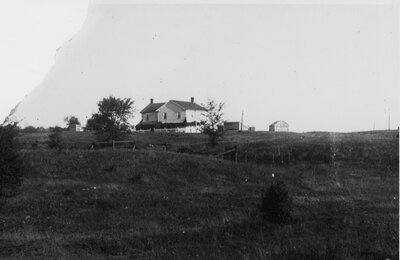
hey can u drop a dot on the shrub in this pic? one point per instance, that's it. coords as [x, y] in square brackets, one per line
[10, 161]
[55, 141]
[276, 205]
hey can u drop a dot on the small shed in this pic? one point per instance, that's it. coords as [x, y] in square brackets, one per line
[231, 126]
[279, 126]
[75, 128]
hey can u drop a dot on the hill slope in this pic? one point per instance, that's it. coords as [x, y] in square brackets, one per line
[149, 204]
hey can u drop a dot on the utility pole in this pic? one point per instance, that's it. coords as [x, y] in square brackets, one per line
[241, 122]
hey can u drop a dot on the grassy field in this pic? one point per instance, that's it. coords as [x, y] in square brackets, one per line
[147, 204]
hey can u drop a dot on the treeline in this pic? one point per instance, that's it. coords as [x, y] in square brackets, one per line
[35, 130]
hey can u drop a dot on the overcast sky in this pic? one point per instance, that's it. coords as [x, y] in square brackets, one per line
[31, 31]
[328, 68]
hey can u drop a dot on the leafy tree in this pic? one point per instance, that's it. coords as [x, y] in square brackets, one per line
[92, 123]
[71, 120]
[213, 119]
[111, 121]
[10, 160]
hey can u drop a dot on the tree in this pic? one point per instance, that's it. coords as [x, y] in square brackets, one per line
[71, 120]
[213, 117]
[276, 204]
[111, 121]
[10, 160]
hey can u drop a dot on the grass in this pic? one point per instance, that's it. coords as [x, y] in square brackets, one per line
[149, 204]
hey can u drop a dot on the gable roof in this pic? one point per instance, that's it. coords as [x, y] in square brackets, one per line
[150, 108]
[274, 123]
[187, 105]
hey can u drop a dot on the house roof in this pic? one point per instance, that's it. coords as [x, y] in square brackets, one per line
[150, 108]
[274, 123]
[188, 105]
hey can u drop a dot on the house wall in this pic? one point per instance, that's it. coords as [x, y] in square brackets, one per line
[172, 111]
[279, 127]
[152, 117]
[172, 114]
[187, 129]
[231, 126]
[194, 116]
[75, 128]
[272, 128]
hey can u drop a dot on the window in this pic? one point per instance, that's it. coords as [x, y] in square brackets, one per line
[147, 117]
[165, 115]
[179, 115]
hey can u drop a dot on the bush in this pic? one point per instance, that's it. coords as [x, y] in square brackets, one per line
[55, 138]
[276, 205]
[214, 135]
[10, 161]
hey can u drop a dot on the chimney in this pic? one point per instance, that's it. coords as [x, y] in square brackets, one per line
[151, 101]
[192, 99]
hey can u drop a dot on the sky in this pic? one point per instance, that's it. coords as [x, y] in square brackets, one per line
[31, 31]
[318, 67]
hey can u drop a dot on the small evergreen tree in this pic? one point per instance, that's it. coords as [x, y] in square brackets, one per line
[10, 161]
[55, 137]
[276, 205]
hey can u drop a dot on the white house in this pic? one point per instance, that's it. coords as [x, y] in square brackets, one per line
[279, 126]
[75, 128]
[174, 115]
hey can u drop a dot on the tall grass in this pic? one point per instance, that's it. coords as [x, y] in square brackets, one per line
[85, 203]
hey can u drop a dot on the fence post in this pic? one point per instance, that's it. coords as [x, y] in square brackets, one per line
[236, 155]
[113, 144]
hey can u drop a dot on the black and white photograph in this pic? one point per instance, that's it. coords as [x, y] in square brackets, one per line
[199, 129]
